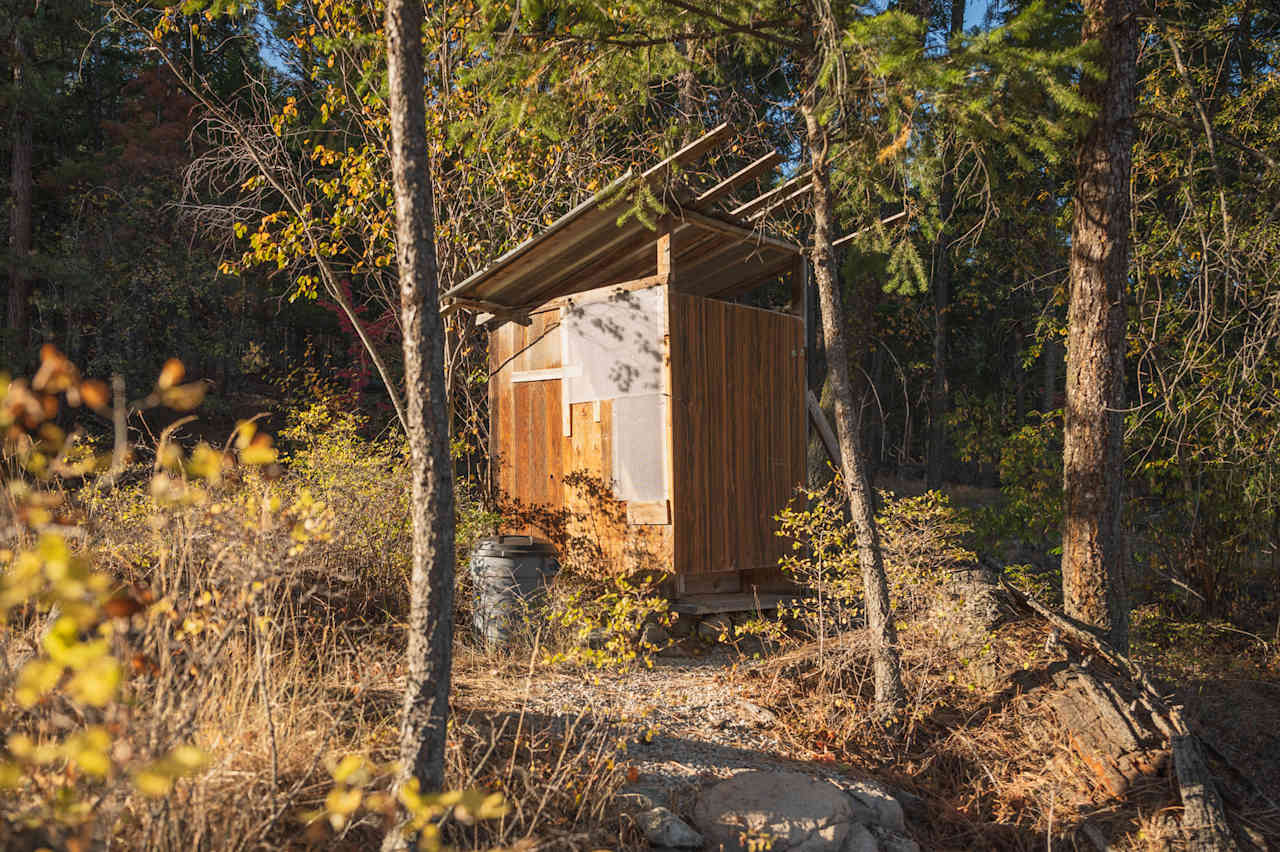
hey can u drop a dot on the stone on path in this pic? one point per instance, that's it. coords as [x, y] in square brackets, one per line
[662, 828]
[715, 628]
[791, 812]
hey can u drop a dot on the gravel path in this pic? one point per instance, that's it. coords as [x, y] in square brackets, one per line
[685, 719]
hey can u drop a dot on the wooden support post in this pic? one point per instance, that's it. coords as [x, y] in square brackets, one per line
[668, 417]
[566, 414]
[798, 288]
[666, 251]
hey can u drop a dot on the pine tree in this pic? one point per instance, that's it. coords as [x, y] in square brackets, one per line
[1093, 551]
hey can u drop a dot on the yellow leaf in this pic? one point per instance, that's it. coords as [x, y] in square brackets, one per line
[188, 759]
[35, 681]
[94, 393]
[343, 801]
[258, 454]
[88, 750]
[184, 397]
[10, 775]
[152, 783]
[245, 430]
[347, 767]
[170, 374]
[206, 463]
[97, 682]
[21, 746]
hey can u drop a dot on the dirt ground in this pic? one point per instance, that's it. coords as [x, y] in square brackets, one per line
[989, 763]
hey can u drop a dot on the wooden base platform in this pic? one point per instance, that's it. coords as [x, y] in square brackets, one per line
[739, 602]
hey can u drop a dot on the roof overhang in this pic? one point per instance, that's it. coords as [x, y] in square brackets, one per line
[596, 244]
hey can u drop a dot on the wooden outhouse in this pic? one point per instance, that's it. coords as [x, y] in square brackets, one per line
[639, 414]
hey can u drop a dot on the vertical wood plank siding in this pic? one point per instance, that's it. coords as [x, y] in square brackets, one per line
[559, 486]
[738, 418]
[737, 444]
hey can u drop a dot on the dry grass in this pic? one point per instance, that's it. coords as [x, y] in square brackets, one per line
[278, 651]
[269, 634]
[977, 742]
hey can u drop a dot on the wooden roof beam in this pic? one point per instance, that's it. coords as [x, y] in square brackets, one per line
[752, 280]
[508, 258]
[638, 261]
[768, 198]
[531, 284]
[786, 201]
[724, 187]
[488, 311]
[739, 232]
[721, 258]
[688, 153]
[847, 238]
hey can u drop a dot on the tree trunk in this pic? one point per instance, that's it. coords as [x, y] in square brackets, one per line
[880, 626]
[1093, 459]
[940, 394]
[1050, 357]
[426, 700]
[1019, 385]
[687, 92]
[20, 212]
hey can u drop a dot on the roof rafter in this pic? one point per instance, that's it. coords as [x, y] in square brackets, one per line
[692, 151]
[849, 237]
[752, 280]
[724, 187]
[764, 200]
[786, 201]
[596, 244]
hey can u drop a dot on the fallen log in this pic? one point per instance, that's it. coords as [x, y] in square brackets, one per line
[1118, 744]
[1204, 820]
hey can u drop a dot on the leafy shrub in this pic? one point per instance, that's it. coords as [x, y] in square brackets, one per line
[602, 625]
[192, 623]
[80, 730]
[921, 539]
[823, 560]
[1030, 510]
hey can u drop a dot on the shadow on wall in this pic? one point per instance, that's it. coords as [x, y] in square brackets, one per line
[590, 532]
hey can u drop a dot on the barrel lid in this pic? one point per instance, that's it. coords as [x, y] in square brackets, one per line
[514, 546]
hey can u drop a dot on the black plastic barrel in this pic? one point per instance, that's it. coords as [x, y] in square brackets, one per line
[511, 573]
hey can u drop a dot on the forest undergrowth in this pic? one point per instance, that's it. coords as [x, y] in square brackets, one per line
[253, 596]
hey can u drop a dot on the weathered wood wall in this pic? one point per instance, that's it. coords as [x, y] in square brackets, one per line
[559, 486]
[736, 445]
[524, 417]
[738, 422]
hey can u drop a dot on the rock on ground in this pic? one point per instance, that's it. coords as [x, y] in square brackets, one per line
[797, 813]
[662, 829]
[715, 628]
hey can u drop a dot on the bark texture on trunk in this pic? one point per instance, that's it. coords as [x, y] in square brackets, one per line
[1093, 451]
[20, 201]
[426, 700]
[880, 625]
[687, 89]
[940, 393]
